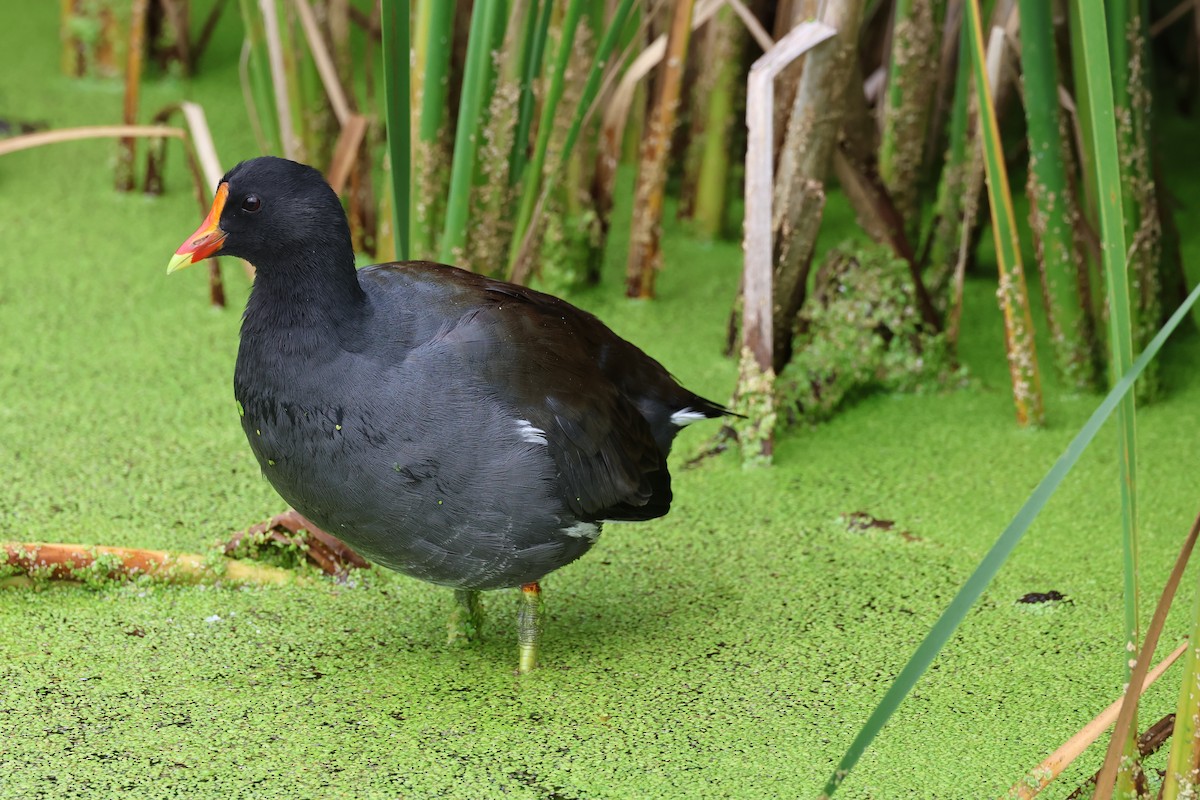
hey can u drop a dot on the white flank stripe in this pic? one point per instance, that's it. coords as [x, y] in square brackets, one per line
[583, 530]
[529, 433]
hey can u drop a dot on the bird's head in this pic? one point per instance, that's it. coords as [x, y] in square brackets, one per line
[268, 210]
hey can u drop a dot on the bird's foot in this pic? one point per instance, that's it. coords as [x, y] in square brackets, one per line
[529, 626]
[291, 529]
[466, 621]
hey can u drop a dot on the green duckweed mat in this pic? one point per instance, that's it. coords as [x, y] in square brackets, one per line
[731, 649]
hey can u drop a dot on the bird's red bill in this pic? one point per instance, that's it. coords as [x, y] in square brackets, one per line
[207, 239]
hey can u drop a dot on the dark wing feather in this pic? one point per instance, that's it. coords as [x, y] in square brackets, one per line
[539, 359]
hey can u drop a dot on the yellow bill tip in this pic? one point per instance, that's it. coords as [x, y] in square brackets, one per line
[179, 261]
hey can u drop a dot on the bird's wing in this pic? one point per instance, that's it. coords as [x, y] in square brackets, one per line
[537, 358]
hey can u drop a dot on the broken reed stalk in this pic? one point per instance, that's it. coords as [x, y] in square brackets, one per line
[1053, 765]
[1053, 211]
[1014, 298]
[645, 232]
[346, 152]
[93, 563]
[1124, 710]
[158, 134]
[127, 148]
[432, 45]
[756, 373]
[908, 102]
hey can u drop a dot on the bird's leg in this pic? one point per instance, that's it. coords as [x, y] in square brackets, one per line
[466, 621]
[529, 626]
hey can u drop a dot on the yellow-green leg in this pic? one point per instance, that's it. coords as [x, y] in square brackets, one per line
[529, 626]
[466, 621]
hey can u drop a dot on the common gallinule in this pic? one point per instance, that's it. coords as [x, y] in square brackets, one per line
[462, 430]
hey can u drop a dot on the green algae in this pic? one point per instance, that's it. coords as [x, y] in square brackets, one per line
[730, 649]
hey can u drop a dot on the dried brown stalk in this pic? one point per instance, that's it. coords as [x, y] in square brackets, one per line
[41, 138]
[345, 152]
[618, 106]
[804, 164]
[127, 148]
[338, 100]
[645, 257]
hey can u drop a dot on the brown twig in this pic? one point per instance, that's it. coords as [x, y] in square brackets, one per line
[1108, 773]
[292, 529]
[78, 562]
[1040, 776]
[1148, 744]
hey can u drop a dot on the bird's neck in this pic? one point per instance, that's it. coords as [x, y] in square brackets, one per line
[318, 291]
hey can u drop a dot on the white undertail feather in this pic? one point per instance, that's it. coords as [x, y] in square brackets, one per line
[686, 416]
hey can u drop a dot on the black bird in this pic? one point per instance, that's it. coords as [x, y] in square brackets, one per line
[462, 430]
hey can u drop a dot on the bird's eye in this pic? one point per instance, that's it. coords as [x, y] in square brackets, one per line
[251, 204]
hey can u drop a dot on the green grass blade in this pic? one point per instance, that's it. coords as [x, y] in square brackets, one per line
[533, 172]
[535, 40]
[476, 78]
[432, 45]
[1093, 39]
[437, 23]
[399, 124]
[1014, 299]
[975, 585]
[951, 202]
[1054, 210]
[261, 102]
[611, 36]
